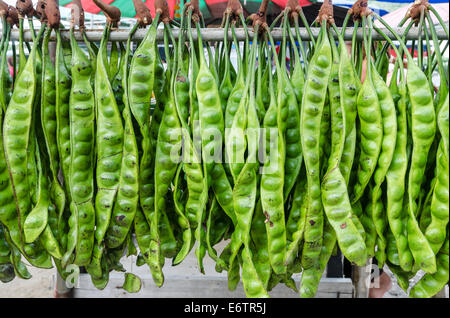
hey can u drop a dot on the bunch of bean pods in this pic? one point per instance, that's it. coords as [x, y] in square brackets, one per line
[111, 150]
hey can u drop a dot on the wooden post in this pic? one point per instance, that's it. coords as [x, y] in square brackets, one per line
[361, 280]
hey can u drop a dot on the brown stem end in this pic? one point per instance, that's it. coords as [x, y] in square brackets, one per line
[112, 13]
[326, 13]
[52, 13]
[144, 17]
[12, 16]
[162, 7]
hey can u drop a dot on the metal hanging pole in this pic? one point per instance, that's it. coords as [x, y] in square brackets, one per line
[217, 34]
[361, 279]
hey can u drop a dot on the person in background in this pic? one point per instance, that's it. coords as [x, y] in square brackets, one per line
[11, 65]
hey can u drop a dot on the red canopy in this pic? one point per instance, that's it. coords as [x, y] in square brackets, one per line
[209, 8]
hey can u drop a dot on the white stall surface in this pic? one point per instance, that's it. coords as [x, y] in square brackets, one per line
[185, 280]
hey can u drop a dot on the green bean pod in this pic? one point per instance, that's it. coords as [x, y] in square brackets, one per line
[379, 214]
[49, 122]
[211, 125]
[4, 74]
[245, 187]
[36, 220]
[114, 57]
[7, 272]
[235, 135]
[311, 115]
[295, 225]
[182, 220]
[253, 286]
[438, 209]
[126, 202]
[193, 101]
[4, 247]
[261, 87]
[348, 155]
[260, 253]
[271, 188]
[117, 81]
[386, 153]
[44, 209]
[297, 77]
[17, 126]
[20, 269]
[234, 102]
[425, 211]
[289, 112]
[161, 90]
[142, 232]
[395, 177]
[435, 233]
[223, 191]
[402, 276]
[311, 276]
[392, 255]
[22, 57]
[443, 124]
[388, 114]
[81, 169]
[166, 162]
[423, 127]
[339, 213]
[348, 87]
[367, 222]
[244, 198]
[109, 144]
[142, 75]
[98, 268]
[216, 225]
[63, 86]
[34, 252]
[226, 85]
[196, 184]
[141, 83]
[431, 284]
[369, 114]
[235, 138]
[210, 115]
[294, 156]
[294, 211]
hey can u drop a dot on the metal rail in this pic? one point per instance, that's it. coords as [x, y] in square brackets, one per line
[217, 34]
[361, 279]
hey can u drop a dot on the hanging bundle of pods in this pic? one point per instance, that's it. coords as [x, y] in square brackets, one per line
[107, 153]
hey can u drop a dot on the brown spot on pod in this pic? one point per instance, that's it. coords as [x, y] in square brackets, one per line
[343, 225]
[181, 78]
[312, 222]
[267, 220]
[267, 217]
